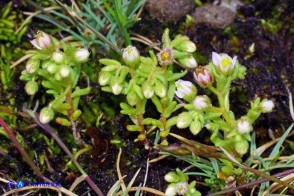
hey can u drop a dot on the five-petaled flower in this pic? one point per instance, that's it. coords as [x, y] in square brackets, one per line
[223, 62]
[165, 56]
[42, 40]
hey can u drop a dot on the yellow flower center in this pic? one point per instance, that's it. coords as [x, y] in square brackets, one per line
[226, 62]
[165, 56]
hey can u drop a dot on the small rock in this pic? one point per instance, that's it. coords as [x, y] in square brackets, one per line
[169, 11]
[214, 16]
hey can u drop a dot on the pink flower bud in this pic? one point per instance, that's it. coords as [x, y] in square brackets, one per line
[42, 40]
[202, 76]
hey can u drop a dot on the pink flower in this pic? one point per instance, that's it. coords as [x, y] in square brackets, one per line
[42, 40]
[202, 76]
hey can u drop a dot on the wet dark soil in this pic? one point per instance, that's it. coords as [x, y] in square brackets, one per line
[270, 71]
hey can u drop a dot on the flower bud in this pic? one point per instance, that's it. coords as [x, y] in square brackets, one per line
[189, 62]
[160, 89]
[171, 177]
[244, 126]
[43, 40]
[57, 76]
[31, 87]
[82, 55]
[201, 102]
[267, 106]
[185, 90]
[57, 57]
[241, 147]
[32, 65]
[131, 55]
[52, 68]
[184, 120]
[116, 88]
[46, 115]
[171, 190]
[223, 62]
[188, 46]
[64, 71]
[104, 78]
[148, 90]
[165, 56]
[132, 98]
[195, 127]
[202, 76]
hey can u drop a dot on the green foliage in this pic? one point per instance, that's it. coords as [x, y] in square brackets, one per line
[113, 18]
[8, 25]
[141, 78]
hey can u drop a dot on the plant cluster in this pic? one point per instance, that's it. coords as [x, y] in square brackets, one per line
[155, 80]
[141, 78]
[56, 65]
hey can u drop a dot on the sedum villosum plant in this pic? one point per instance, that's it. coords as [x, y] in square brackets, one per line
[141, 78]
[57, 67]
[228, 132]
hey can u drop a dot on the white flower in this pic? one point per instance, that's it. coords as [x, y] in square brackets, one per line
[182, 188]
[189, 62]
[202, 76]
[201, 102]
[223, 62]
[57, 57]
[267, 106]
[244, 126]
[43, 40]
[131, 55]
[185, 89]
[165, 56]
[82, 55]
